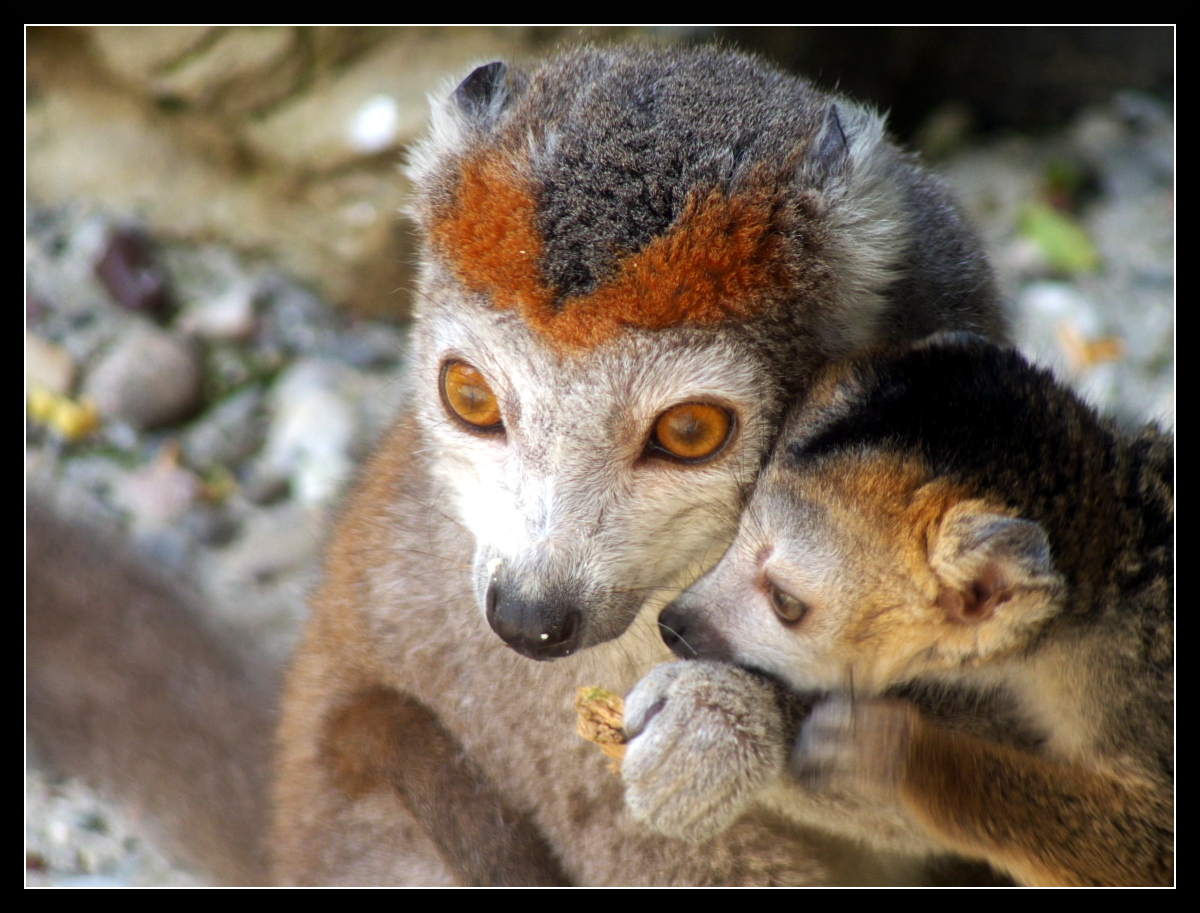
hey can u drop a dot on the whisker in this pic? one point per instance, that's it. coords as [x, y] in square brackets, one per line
[695, 653]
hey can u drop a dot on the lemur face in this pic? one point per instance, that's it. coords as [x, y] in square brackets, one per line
[590, 486]
[860, 568]
[827, 582]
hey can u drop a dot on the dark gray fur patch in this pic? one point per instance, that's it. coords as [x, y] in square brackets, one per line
[642, 132]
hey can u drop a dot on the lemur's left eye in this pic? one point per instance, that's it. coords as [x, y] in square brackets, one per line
[790, 609]
[692, 432]
[469, 398]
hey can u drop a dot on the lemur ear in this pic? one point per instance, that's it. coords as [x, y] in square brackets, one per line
[986, 560]
[830, 152]
[482, 95]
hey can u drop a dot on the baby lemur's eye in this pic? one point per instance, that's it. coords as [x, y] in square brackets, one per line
[468, 397]
[692, 432]
[790, 609]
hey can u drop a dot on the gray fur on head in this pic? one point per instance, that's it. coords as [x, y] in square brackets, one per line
[614, 143]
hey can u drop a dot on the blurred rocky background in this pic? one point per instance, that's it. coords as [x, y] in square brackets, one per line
[218, 273]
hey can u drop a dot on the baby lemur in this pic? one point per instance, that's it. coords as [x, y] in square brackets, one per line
[935, 523]
[631, 259]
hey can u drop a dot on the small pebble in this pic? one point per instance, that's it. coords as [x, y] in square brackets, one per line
[48, 366]
[130, 272]
[149, 379]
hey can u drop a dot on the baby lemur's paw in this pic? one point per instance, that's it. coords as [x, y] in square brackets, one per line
[857, 746]
[706, 737]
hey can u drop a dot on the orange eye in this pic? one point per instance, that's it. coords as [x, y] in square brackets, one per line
[468, 397]
[692, 431]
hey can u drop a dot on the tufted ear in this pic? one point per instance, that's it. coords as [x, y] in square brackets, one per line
[986, 560]
[458, 118]
[482, 95]
[830, 152]
[862, 184]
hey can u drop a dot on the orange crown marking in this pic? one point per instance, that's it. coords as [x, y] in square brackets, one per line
[714, 264]
[491, 238]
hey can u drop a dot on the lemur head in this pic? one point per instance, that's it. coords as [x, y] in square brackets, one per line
[872, 551]
[632, 257]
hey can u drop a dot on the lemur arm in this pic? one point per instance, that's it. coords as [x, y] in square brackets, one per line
[384, 740]
[1044, 821]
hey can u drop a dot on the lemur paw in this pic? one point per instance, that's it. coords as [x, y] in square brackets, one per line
[856, 746]
[705, 738]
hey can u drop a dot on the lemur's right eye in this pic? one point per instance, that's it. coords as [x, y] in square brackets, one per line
[789, 609]
[468, 397]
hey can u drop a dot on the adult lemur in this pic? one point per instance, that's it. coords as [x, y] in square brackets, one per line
[632, 259]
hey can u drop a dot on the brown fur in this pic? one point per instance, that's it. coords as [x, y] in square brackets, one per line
[490, 233]
[1045, 821]
[369, 746]
[714, 266]
[718, 262]
[121, 669]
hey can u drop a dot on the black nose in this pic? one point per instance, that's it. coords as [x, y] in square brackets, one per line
[537, 628]
[673, 625]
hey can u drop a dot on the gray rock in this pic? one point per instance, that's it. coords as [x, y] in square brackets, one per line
[159, 492]
[230, 315]
[150, 378]
[313, 431]
[75, 839]
[228, 433]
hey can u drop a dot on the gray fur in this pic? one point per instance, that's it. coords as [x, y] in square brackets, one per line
[720, 711]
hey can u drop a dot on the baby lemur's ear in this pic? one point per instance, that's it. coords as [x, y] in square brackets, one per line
[987, 560]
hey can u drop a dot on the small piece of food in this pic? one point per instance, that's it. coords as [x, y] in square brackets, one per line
[598, 718]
